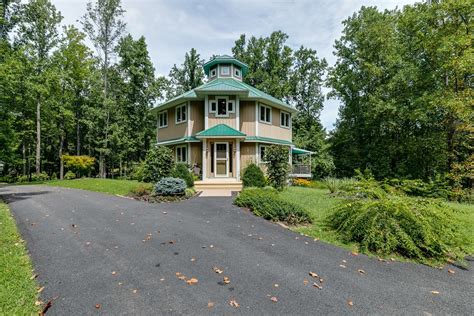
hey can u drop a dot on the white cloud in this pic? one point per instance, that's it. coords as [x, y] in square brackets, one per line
[171, 28]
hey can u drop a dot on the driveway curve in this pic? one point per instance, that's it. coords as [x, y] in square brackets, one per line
[127, 256]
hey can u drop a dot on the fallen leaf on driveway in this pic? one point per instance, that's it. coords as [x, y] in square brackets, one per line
[192, 281]
[317, 285]
[350, 303]
[451, 271]
[226, 280]
[114, 273]
[171, 242]
[88, 243]
[34, 276]
[97, 306]
[434, 292]
[305, 282]
[46, 307]
[217, 270]
[234, 303]
[40, 289]
[361, 271]
[342, 266]
[134, 291]
[354, 253]
[274, 299]
[38, 303]
[210, 304]
[182, 277]
[73, 225]
[276, 285]
[193, 259]
[314, 275]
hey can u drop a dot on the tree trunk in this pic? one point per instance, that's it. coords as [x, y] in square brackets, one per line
[78, 134]
[23, 151]
[38, 138]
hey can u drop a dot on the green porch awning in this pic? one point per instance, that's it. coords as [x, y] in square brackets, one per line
[300, 151]
[220, 131]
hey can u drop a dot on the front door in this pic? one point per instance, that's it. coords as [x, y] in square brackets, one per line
[221, 159]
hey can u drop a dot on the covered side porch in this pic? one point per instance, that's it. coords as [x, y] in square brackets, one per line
[300, 163]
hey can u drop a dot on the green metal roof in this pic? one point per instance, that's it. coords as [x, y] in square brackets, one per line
[269, 140]
[300, 151]
[187, 139]
[230, 85]
[225, 59]
[220, 130]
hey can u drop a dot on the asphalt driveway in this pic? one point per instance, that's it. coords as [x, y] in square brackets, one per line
[89, 248]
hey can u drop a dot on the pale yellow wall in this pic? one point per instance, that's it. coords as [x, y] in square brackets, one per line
[196, 153]
[173, 130]
[197, 116]
[247, 117]
[274, 130]
[247, 154]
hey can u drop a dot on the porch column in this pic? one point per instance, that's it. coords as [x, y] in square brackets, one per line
[237, 159]
[204, 159]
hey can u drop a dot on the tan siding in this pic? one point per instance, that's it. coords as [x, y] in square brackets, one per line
[247, 154]
[274, 130]
[196, 154]
[173, 131]
[197, 117]
[247, 117]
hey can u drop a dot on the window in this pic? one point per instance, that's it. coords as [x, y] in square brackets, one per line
[213, 107]
[181, 113]
[284, 119]
[163, 119]
[221, 107]
[230, 106]
[182, 153]
[213, 72]
[225, 70]
[261, 153]
[265, 114]
[237, 73]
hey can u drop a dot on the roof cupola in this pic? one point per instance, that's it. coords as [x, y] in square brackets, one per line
[225, 66]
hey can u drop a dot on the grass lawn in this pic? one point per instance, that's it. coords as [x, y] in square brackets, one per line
[110, 186]
[18, 292]
[319, 203]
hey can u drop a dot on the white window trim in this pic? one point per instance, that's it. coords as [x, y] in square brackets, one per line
[237, 73]
[260, 155]
[210, 106]
[260, 110]
[226, 106]
[176, 153]
[185, 107]
[221, 72]
[289, 119]
[233, 106]
[160, 113]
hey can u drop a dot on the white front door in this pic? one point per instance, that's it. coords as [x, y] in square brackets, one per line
[221, 159]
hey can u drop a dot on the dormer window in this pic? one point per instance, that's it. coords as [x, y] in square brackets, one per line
[237, 72]
[213, 72]
[225, 70]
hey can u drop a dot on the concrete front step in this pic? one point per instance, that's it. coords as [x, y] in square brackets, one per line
[215, 193]
[218, 184]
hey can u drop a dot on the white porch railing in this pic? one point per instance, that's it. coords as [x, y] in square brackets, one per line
[301, 170]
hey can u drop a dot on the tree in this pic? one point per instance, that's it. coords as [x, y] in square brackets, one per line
[38, 31]
[187, 77]
[104, 26]
[278, 166]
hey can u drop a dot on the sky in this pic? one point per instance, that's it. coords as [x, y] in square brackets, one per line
[172, 27]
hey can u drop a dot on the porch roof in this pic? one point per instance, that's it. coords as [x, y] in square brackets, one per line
[268, 140]
[220, 130]
[300, 151]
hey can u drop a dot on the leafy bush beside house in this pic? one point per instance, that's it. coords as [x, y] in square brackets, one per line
[181, 171]
[159, 163]
[278, 166]
[253, 176]
[267, 204]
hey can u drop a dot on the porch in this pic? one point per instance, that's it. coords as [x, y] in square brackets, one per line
[300, 163]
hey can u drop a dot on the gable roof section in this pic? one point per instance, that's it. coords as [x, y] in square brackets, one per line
[220, 130]
[221, 85]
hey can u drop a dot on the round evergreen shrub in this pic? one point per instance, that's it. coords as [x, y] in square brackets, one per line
[181, 171]
[70, 175]
[253, 176]
[170, 186]
[159, 163]
[415, 228]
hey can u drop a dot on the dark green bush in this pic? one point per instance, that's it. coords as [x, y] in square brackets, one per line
[181, 171]
[416, 228]
[267, 204]
[278, 166]
[434, 189]
[43, 176]
[70, 175]
[170, 186]
[253, 176]
[159, 163]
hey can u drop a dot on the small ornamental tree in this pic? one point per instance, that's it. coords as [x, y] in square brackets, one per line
[159, 163]
[278, 166]
[79, 165]
[253, 176]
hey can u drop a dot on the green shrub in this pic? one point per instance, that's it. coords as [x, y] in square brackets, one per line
[22, 179]
[435, 189]
[141, 190]
[336, 185]
[69, 175]
[170, 186]
[253, 176]
[80, 165]
[159, 163]
[181, 171]
[267, 204]
[278, 166]
[43, 176]
[415, 228]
